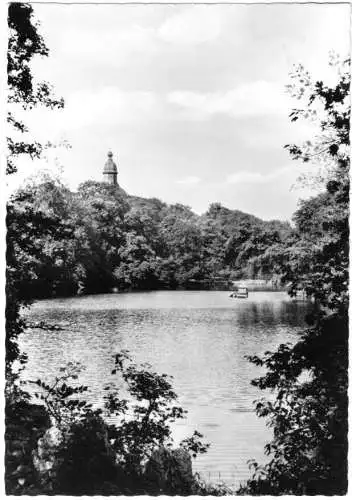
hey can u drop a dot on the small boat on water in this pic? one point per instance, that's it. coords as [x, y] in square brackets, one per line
[240, 292]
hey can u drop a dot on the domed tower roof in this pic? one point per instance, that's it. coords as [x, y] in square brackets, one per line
[110, 166]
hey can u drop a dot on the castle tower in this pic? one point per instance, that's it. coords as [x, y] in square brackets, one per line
[110, 170]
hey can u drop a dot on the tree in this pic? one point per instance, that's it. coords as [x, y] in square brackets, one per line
[25, 42]
[25, 226]
[33, 238]
[93, 456]
[309, 379]
[184, 241]
[40, 233]
[137, 268]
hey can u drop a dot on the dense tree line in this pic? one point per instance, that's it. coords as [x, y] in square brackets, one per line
[57, 443]
[129, 243]
[98, 238]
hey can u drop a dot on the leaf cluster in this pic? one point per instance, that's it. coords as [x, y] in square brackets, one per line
[24, 44]
[107, 449]
[307, 410]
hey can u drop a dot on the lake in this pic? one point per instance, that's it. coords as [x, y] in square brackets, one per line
[201, 338]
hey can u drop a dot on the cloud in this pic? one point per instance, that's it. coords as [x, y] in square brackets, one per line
[243, 177]
[247, 177]
[166, 85]
[102, 108]
[107, 106]
[189, 180]
[250, 99]
[338, 40]
[193, 25]
[108, 47]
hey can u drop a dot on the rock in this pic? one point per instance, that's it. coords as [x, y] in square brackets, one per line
[25, 424]
[44, 457]
[184, 464]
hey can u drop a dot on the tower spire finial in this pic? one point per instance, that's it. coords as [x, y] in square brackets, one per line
[110, 170]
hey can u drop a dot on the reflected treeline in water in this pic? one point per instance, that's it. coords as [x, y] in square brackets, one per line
[200, 338]
[269, 313]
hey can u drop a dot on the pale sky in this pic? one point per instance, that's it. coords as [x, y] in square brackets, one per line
[190, 99]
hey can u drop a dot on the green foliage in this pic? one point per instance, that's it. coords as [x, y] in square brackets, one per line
[99, 238]
[308, 414]
[25, 423]
[94, 455]
[61, 399]
[194, 444]
[120, 241]
[85, 463]
[61, 243]
[24, 43]
[27, 228]
[309, 380]
[203, 488]
[33, 239]
[331, 146]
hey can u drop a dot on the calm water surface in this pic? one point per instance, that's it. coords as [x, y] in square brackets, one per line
[199, 337]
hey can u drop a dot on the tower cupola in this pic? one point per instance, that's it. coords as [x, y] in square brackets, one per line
[110, 170]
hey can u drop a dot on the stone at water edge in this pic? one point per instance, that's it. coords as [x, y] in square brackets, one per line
[43, 456]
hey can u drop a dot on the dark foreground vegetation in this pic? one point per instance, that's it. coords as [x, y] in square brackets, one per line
[309, 416]
[64, 446]
[99, 238]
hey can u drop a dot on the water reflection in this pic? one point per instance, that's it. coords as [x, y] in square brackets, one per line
[200, 338]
